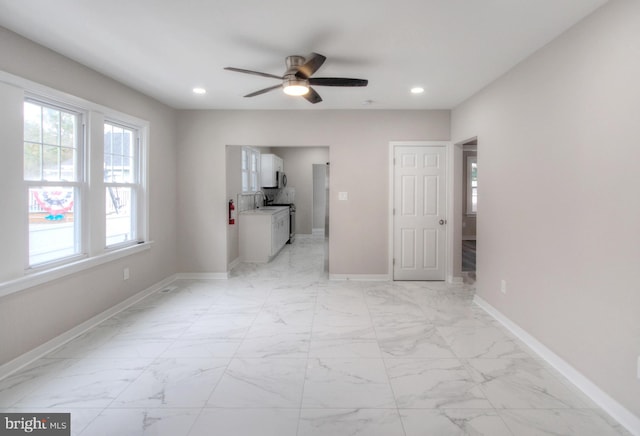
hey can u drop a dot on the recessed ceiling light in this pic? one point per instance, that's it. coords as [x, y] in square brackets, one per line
[199, 91]
[417, 90]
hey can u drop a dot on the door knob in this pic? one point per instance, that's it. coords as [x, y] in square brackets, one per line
[442, 222]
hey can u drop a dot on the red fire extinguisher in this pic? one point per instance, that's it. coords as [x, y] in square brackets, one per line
[232, 212]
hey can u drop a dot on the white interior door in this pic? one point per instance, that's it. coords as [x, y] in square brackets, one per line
[419, 213]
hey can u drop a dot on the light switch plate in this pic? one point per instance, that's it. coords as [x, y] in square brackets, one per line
[343, 196]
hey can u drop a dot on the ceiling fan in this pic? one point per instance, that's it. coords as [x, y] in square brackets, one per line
[297, 79]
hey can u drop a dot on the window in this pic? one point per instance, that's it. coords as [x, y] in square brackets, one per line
[75, 179]
[122, 183]
[472, 185]
[250, 169]
[62, 196]
[54, 176]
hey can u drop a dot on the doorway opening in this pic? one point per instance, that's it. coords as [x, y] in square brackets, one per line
[298, 164]
[320, 218]
[469, 209]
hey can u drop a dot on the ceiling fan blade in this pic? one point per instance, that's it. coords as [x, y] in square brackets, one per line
[337, 81]
[312, 96]
[310, 66]
[263, 91]
[255, 73]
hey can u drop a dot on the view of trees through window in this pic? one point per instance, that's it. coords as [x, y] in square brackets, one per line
[51, 171]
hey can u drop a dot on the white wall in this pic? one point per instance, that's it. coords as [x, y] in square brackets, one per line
[359, 146]
[33, 316]
[559, 204]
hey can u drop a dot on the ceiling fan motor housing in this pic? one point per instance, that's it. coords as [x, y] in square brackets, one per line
[293, 62]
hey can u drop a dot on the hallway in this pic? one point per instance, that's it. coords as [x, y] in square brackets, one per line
[280, 350]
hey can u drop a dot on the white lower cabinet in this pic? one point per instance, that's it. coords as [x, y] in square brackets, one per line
[279, 231]
[263, 234]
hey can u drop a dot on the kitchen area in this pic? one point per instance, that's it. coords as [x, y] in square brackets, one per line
[275, 194]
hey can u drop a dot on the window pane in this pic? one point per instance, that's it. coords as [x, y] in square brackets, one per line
[474, 187]
[474, 174]
[32, 161]
[51, 163]
[474, 200]
[51, 126]
[254, 182]
[245, 181]
[32, 122]
[119, 155]
[44, 130]
[52, 224]
[68, 130]
[254, 162]
[67, 163]
[119, 215]
[107, 139]
[116, 141]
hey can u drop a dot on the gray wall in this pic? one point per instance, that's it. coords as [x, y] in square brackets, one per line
[359, 150]
[319, 190]
[33, 316]
[298, 165]
[234, 187]
[559, 154]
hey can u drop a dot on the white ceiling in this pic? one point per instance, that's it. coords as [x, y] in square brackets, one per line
[164, 48]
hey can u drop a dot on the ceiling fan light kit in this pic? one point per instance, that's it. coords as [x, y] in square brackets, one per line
[297, 79]
[294, 86]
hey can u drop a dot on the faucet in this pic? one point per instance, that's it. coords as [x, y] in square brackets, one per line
[264, 199]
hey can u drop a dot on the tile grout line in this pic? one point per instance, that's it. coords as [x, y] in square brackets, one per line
[384, 364]
[306, 367]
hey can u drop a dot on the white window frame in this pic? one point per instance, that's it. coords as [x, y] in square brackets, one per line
[79, 185]
[136, 186]
[94, 252]
[248, 155]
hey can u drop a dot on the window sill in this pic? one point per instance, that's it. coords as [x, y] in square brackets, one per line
[38, 278]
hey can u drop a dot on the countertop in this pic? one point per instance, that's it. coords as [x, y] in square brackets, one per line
[267, 210]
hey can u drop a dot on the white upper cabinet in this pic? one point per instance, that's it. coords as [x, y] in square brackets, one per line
[271, 165]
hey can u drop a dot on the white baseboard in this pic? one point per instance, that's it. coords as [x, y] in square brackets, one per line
[38, 352]
[202, 276]
[234, 263]
[455, 280]
[361, 277]
[317, 232]
[617, 411]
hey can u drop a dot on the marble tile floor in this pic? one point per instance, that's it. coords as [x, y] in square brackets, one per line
[278, 349]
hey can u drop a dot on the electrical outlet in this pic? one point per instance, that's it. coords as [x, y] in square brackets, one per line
[343, 196]
[125, 273]
[503, 286]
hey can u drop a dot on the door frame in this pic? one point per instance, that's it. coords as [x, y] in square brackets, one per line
[449, 204]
